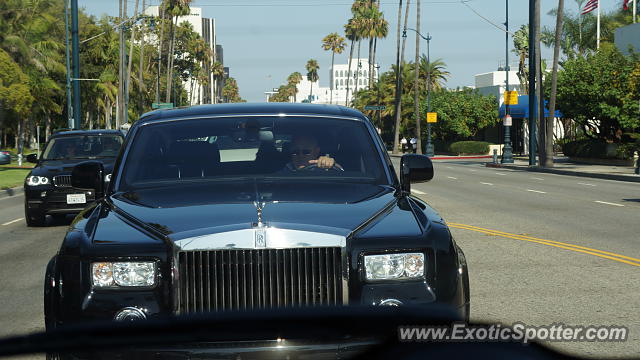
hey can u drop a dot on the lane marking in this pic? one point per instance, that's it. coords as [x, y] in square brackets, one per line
[12, 221]
[449, 167]
[500, 174]
[586, 184]
[484, 183]
[581, 249]
[472, 170]
[537, 178]
[418, 192]
[608, 203]
[451, 177]
[537, 191]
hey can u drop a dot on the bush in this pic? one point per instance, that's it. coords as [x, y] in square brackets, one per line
[470, 147]
[599, 149]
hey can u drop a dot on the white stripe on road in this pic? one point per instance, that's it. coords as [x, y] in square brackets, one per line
[483, 183]
[472, 170]
[500, 174]
[586, 184]
[451, 177]
[608, 203]
[537, 178]
[418, 192]
[449, 167]
[12, 221]
[537, 191]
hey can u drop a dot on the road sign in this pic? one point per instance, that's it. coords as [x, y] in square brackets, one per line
[432, 117]
[511, 97]
[375, 107]
[162, 106]
[507, 120]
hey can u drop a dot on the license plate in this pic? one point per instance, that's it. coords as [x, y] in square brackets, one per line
[76, 199]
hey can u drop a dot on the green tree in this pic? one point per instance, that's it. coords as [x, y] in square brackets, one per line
[293, 80]
[312, 74]
[334, 43]
[601, 92]
[521, 48]
[437, 72]
[230, 91]
[217, 70]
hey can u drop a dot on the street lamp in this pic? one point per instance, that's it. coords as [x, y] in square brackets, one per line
[429, 147]
[507, 151]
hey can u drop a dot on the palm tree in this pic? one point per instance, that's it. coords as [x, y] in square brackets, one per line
[521, 48]
[312, 74]
[351, 32]
[374, 27]
[294, 79]
[416, 87]
[436, 70]
[398, 97]
[217, 70]
[336, 44]
[548, 161]
[176, 8]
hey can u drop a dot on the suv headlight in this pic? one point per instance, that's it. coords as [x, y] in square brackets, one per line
[123, 274]
[394, 266]
[37, 180]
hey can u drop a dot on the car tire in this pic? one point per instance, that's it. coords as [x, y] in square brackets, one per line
[50, 296]
[33, 218]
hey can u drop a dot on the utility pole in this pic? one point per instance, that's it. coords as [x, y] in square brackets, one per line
[67, 48]
[76, 64]
[507, 150]
[532, 82]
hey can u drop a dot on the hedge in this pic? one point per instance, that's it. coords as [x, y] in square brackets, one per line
[470, 147]
[597, 149]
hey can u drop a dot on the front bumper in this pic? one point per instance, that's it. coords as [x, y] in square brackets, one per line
[269, 349]
[51, 200]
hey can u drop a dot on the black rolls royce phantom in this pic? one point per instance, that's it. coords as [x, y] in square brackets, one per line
[252, 206]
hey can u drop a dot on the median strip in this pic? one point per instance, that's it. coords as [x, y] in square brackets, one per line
[576, 248]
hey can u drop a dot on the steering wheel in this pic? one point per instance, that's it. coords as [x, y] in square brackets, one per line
[314, 167]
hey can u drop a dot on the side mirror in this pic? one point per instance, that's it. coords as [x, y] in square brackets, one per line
[414, 169]
[32, 158]
[89, 175]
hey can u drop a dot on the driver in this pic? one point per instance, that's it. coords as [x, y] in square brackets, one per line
[305, 155]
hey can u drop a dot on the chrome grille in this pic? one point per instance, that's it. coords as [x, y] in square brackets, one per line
[62, 181]
[215, 280]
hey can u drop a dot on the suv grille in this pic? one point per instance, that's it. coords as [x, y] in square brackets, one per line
[266, 278]
[62, 181]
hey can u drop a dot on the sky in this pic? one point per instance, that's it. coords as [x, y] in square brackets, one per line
[266, 40]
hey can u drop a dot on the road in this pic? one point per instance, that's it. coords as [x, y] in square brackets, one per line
[520, 232]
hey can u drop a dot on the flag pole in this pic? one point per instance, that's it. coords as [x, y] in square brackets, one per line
[598, 28]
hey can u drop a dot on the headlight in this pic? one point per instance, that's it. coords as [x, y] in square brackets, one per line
[394, 266]
[107, 178]
[126, 274]
[37, 180]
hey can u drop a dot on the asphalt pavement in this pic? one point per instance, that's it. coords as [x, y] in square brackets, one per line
[542, 249]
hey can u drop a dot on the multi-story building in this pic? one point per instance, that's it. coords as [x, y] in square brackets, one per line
[210, 92]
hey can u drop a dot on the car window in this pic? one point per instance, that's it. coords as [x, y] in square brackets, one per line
[266, 147]
[82, 146]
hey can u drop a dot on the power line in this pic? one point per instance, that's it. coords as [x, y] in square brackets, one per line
[485, 19]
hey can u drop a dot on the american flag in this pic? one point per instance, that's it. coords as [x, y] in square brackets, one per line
[625, 5]
[590, 6]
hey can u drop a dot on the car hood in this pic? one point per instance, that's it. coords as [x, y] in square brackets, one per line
[64, 167]
[188, 212]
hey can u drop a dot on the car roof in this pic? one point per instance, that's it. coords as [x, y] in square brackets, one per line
[87, 132]
[251, 109]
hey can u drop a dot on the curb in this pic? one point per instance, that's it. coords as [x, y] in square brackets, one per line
[450, 157]
[5, 193]
[628, 178]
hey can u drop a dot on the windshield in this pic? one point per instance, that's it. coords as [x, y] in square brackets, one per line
[271, 147]
[82, 147]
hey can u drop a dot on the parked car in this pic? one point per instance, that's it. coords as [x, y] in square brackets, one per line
[246, 206]
[5, 157]
[47, 187]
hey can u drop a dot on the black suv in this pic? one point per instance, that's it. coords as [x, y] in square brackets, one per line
[48, 189]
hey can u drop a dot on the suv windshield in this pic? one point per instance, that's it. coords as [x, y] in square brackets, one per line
[82, 147]
[223, 148]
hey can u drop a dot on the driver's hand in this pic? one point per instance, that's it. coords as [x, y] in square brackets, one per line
[324, 162]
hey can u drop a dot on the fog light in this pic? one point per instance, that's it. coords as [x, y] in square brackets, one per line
[43, 194]
[130, 314]
[391, 302]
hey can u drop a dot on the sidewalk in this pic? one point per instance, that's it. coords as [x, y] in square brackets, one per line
[563, 166]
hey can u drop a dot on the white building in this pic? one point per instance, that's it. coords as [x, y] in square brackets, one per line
[206, 28]
[493, 83]
[338, 76]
